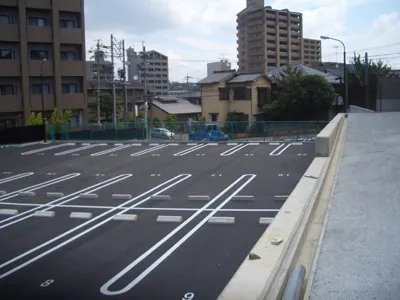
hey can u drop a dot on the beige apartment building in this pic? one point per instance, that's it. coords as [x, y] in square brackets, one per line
[42, 59]
[269, 38]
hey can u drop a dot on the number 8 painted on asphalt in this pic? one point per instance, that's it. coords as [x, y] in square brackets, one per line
[47, 283]
[188, 296]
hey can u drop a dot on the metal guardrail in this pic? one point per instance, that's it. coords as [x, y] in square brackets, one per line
[295, 283]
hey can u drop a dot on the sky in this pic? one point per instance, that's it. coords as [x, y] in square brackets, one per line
[194, 32]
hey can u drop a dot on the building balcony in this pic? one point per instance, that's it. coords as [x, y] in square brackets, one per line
[271, 30]
[73, 101]
[72, 68]
[71, 36]
[10, 68]
[37, 34]
[9, 33]
[35, 68]
[38, 105]
[11, 103]
[38, 4]
[271, 23]
[13, 3]
[70, 5]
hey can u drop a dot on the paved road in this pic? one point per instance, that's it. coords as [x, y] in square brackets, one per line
[58, 257]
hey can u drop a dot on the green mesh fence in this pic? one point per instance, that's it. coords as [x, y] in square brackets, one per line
[181, 131]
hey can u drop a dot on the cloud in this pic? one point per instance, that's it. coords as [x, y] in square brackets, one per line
[194, 32]
[131, 16]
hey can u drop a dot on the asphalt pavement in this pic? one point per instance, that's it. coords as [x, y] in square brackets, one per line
[192, 215]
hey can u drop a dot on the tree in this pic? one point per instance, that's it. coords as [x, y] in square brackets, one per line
[375, 70]
[300, 97]
[170, 122]
[107, 105]
[35, 119]
[59, 119]
[155, 122]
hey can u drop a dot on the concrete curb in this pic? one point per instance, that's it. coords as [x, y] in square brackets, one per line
[266, 277]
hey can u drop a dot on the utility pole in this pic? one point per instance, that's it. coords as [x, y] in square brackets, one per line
[146, 105]
[97, 58]
[124, 83]
[113, 84]
[366, 81]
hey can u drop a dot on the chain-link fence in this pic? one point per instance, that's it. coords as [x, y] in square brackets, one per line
[199, 131]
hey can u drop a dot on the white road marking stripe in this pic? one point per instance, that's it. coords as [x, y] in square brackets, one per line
[141, 208]
[15, 177]
[190, 150]
[149, 150]
[199, 197]
[45, 214]
[265, 221]
[175, 182]
[8, 212]
[75, 150]
[279, 150]
[125, 217]
[221, 220]
[47, 148]
[110, 150]
[105, 288]
[234, 149]
[160, 197]
[81, 215]
[39, 186]
[74, 196]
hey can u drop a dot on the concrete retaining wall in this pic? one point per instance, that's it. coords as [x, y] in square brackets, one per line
[325, 140]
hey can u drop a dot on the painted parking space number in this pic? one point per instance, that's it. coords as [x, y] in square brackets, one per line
[188, 296]
[47, 283]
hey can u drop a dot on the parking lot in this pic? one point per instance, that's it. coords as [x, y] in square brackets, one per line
[133, 221]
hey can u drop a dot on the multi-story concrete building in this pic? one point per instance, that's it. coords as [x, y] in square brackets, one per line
[151, 70]
[99, 67]
[269, 38]
[311, 51]
[42, 59]
[222, 65]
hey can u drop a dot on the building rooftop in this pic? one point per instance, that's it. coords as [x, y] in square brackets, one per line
[359, 257]
[176, 106]
[276, 73]
[240, 78]
[217, 77]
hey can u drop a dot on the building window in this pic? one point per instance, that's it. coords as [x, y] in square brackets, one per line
[38, 88]
[223, 94]
[39, 22]
[68, 55]
[74, 121]
[6, 54]
[39, 54]
[67, 24]
[5, 19]
[69, 88]
[241, 94]
[7, 89]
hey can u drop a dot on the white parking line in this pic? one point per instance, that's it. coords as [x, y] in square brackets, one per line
[190, 150]
[146, 151]
[15, 177]
[168, 185]
[105, 288]
[111, 150]
[279, 150]
[76, 150]
[65, 199]
[39, 186]
[47, 148]
[234, 149]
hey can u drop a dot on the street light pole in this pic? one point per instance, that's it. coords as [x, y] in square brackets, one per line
[346, 86]
[42, 95]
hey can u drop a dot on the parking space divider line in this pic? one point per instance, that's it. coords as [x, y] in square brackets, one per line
[279, 150]
[190, 150]
[168, 185]
[47, 148]
[66, 199]
[39, 186]
[76, 150]
[149, 150]
[15, 177]
[111, 150]
[105, 288]
[234, 149]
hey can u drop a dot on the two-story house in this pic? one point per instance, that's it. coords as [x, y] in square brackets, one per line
[233, 92]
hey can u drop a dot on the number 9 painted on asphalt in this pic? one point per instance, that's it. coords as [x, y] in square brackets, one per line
[47, 283]
[188, 296]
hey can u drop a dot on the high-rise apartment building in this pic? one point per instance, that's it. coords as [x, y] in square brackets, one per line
[99, 66]
[269, 38]
[42, 59]
[311, 51]
[152, 70]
